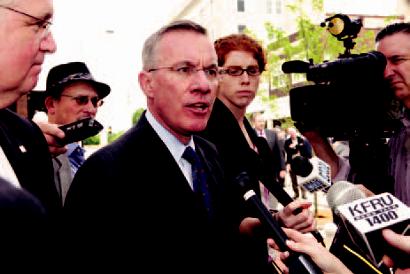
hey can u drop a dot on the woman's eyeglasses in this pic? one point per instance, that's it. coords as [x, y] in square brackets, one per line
[83, 100]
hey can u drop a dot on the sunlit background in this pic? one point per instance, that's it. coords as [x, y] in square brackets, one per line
[108, 36]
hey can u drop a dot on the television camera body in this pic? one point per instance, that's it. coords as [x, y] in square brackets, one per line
[349, 98]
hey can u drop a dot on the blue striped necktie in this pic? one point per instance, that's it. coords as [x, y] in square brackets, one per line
[198, 177]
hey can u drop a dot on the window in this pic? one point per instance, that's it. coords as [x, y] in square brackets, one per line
[269, 6]
[278, 6]
[241, 28]
[241, 5]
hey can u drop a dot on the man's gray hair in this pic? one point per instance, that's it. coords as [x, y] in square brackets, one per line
[148, 51]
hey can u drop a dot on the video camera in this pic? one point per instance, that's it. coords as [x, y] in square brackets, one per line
[349, 97]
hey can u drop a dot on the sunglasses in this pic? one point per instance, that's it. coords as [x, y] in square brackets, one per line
[83, 100]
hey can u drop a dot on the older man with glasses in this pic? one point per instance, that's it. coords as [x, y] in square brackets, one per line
[71, 94]
[25, 161]
[159, 188]
[25, 40]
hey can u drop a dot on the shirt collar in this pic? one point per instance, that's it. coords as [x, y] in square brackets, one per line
[72, 147]
[173, 144]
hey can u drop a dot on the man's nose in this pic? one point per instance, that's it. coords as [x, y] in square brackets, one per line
[48, 43]
[202, 82]
[388, 71]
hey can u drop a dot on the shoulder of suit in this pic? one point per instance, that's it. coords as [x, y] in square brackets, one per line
[14, 120]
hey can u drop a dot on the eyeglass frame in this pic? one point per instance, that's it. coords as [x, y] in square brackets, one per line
[81, 101]
[41, 23]
[191, 70]
[241, 71]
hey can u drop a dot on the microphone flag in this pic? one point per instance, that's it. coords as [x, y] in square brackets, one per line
[369, 216]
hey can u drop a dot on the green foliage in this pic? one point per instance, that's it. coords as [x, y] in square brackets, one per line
[93, 140]
[137, 114]
[287, 123]
[114, 136]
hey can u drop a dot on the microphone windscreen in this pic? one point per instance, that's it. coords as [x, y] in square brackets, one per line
[343, 192]
[301, 166]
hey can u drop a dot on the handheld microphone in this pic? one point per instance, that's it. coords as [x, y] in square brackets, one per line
[297, 263]
[312, 174]
[343, 192]
[368, 216]
[284, 198]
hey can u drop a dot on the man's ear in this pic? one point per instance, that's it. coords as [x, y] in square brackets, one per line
[146, 83]
[49, 104]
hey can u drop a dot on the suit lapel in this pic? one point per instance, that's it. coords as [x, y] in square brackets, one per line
[13, 148]
[162, 158]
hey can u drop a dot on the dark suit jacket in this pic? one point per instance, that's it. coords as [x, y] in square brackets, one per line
[236, 155]
[27, 151]
[277, 147]
[23, 231]
[131, 198]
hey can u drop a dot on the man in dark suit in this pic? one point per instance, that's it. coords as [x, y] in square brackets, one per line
[24, 155]
[24, 230]
[275, 144]
[296, 145]
[132, 204]
[28, 197]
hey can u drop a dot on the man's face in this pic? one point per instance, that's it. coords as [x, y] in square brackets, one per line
[69, 107]
[237, 92]
[259, 122]
[180, 101]
[396, 48]
[23, 45]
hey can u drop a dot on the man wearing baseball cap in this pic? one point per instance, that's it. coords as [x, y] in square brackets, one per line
[71, 94]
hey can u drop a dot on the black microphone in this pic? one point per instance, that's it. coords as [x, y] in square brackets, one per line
[366, 217]
[312, 174]
[284, 198]
[297, 263]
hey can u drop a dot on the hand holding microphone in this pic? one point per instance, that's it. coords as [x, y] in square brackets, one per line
[304, 243]
[296, 262]
[301, 222]
[291, 214]
[399, 242]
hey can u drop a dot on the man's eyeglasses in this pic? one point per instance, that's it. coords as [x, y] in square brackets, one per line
[41, 23]
[188, 71]
[83, 100]
[238, 71]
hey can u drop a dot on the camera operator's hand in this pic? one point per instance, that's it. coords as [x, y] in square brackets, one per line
[323, 149]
